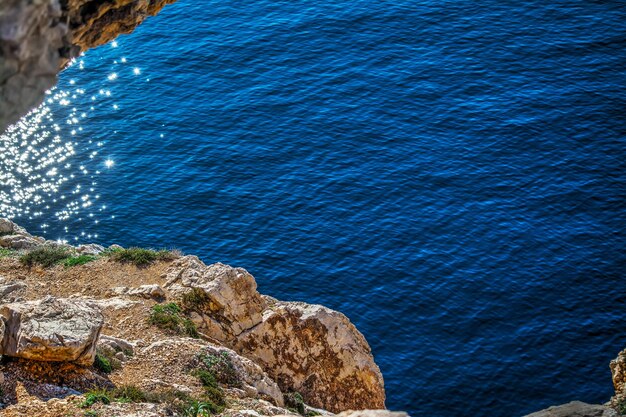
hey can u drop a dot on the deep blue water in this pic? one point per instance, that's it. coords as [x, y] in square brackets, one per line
[449, 174]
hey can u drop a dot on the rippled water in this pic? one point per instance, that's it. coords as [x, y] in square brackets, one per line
[449, 174]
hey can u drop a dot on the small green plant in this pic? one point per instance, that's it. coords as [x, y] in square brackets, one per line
[90, 413]
[102, 364]
[294, 401]
[4, 252]
[46, 256]
[221, 366]
[211, 389]
[621, 407]
[130, 394]
[195, 300]
[139, 256]
[200, 409]
[168, 317]
[79, 260]
[96, 396]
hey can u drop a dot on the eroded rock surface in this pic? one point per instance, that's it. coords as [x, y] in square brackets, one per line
[224, 319]
[277, 350]
[306, 348]
[317, 352]
[38, 37]
[51, 330]
[576, 409]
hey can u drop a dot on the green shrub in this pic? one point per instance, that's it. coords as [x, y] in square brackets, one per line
[130, 394]
[195, 300]
[294, 401]
[140, 256]
[103, 364]
[79, 260]
[212, 391]
[221, 367]
[45, 256]
[168, 317]
[4, 252]
[95, 396]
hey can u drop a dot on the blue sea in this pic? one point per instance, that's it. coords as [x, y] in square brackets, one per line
[449, 174]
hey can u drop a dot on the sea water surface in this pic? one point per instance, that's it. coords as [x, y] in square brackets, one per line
[449, 174]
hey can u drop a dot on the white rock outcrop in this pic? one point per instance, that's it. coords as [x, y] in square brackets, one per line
[51, 329]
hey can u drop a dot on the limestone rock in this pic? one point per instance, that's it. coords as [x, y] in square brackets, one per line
[90, 249]
[180, 354]
[144, 291]
[51, 329]
[117, 344]
[7, 227]
[575, 409]
[13, 236]
[255, 382]
[31, 35]
[38, 38]
[224, 319]
[7, 289]
[317, 352]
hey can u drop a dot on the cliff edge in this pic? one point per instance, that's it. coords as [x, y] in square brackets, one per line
[100, 331]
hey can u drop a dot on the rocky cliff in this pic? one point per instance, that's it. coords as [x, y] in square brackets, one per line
[616, 406]
[38, 37]
[134, 332]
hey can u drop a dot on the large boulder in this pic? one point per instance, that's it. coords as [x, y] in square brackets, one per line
[317, 352]
[233, 303]
[306, 348]
[51, 329]
[576, 409]
[15, 237]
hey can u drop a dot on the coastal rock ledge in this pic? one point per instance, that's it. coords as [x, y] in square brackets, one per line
[101, 331]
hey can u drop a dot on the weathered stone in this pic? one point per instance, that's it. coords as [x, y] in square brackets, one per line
[7, 289]
[19, 242]
[117, 344]
[574, 409]
[38, 38]
[317, 352]
[179, 354]
[255, 382]
[223, 318]
[52, 329]
[148, 291]
[7, 227]
[90, 249]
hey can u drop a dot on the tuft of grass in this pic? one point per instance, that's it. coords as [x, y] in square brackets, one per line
[131, 394]
[195, 300]
[221, 367]
[103, 364]
[96, 396]
[140, 256]
[90, 413]
[79, 260]
[294, 401]
[45, 256]
[5, 252]
[168, 317]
